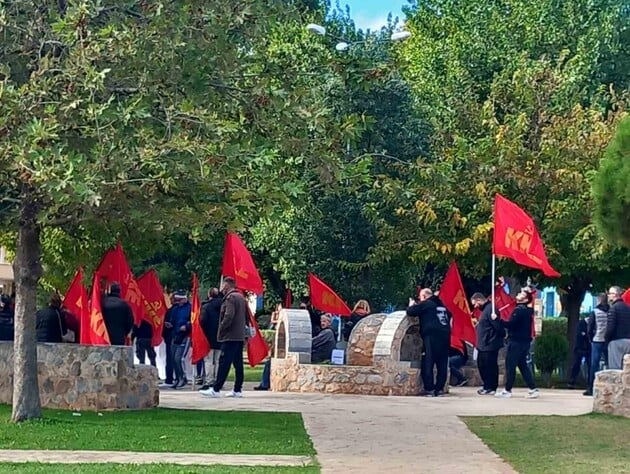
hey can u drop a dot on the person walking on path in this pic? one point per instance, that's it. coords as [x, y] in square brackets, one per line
[210, 315]
[118, 316]
[181, 336]
[597, 322]
[490, 336]
[617, 329]
[519, 328]
[435, 329]
[231, 334]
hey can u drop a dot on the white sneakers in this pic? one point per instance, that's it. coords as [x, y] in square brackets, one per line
[212, 394]
[531, 394]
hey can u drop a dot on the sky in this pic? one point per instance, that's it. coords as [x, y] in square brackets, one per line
[372, 14]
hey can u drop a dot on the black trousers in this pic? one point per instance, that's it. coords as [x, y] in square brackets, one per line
[577, 365]
[435, 356]
[170, 368]
[516, 356]
[144, 346]
[231, 354]
[488, 365]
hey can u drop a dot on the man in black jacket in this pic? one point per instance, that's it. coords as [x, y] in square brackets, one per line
[581, 351]
[51, 326]
[210, 314]
[143, 335]
[435, 329]
[490, 336]
[117, 315]
[617, 329]
[7, 324]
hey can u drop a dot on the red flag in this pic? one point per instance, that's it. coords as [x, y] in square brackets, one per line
[516, 237]
[76, 301]
[155, 304]
[114, 268]
[504, 304]
[93, 330]
[288, 299]
[238, 264]
[200, 344]
[325, 299]
[453, 296]
[257, 348]
[626, 296]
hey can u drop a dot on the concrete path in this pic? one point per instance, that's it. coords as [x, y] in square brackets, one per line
[126, 457]
[366, 434]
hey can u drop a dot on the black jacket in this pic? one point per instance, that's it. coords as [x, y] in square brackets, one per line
[50, 325]
[582, 339]
[618, 321]
[144, 331]
[6, 326]
[322, 346]
[118, 319]
[167, 333]
[519, 326]
[210, 315]
[490, 333]
[435, 319]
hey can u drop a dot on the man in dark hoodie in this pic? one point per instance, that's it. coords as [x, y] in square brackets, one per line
[519, 328]
[210, 315]
[50, 325]
[435, 329]
[117, 315]
[490, 335]
[143, 336]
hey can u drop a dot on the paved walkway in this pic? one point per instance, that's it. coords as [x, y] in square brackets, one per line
[366, 434]
[126, 457]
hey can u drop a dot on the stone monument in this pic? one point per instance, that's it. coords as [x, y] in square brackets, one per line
[611, 391]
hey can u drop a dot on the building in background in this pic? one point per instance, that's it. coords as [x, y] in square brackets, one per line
[6, 273]
[551, 303]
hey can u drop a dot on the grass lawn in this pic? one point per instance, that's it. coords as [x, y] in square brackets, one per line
[36, 468]
[578, 444]
[161, 430]
[252, 374]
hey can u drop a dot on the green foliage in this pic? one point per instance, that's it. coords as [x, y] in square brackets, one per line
[611, 192]
[551, 351]
[556, 326]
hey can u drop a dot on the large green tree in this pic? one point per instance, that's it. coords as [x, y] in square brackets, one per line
[146, 120]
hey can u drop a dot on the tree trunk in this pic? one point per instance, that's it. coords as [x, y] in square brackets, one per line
[571, 297]
[27, 269]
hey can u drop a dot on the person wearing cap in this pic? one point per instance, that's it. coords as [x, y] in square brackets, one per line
[181, 336]
[117, 316]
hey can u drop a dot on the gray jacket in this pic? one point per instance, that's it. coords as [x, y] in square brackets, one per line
[597, 323]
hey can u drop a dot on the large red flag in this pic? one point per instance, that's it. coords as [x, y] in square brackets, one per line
[239, 264]
[516, 237]
[76, 301]
[115, 268]
[200, 344]
[288, 299]
[325, 299]
[257, 348]
[453, 296]
[93, 330]
[503, 303]
[626, 296]
[155, 304]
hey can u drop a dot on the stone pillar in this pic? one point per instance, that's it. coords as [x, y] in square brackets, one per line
[360, 350]
[294, 335]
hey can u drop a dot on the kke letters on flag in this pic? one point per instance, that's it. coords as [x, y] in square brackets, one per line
[257, 348]
[239, 264]
[114, 268]
[93, 330]
[454, 298]
[325, 299]
[76, 300]
[516, 237]
[155, 304]
[200, 344]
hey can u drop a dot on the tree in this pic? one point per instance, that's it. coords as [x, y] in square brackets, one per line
[122, 118]
[610, 189]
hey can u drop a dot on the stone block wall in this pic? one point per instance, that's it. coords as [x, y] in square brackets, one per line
[288, 375]
[611, 391]
[93, 378]
[471, 372]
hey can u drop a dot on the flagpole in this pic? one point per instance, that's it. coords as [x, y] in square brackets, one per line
[494, 279]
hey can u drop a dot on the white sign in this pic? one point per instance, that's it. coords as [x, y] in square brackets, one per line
[337, 356]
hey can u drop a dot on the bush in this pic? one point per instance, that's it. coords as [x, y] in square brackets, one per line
[555, 326]
[550, 352]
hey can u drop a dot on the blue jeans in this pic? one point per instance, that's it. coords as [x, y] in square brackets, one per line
[266, 375]
[180, 351]
[597, 350]
[455, 363]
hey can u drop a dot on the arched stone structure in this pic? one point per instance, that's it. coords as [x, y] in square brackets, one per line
[398, 340]
[360, 350]
[293, 335]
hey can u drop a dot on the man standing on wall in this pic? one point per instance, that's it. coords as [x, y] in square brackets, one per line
[231, 334]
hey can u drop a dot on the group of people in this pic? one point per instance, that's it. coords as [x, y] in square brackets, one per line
[435, 329]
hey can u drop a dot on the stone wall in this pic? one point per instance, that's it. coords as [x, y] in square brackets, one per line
[288, 375]
[92, 378]
[611, 391]
[360, 350]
